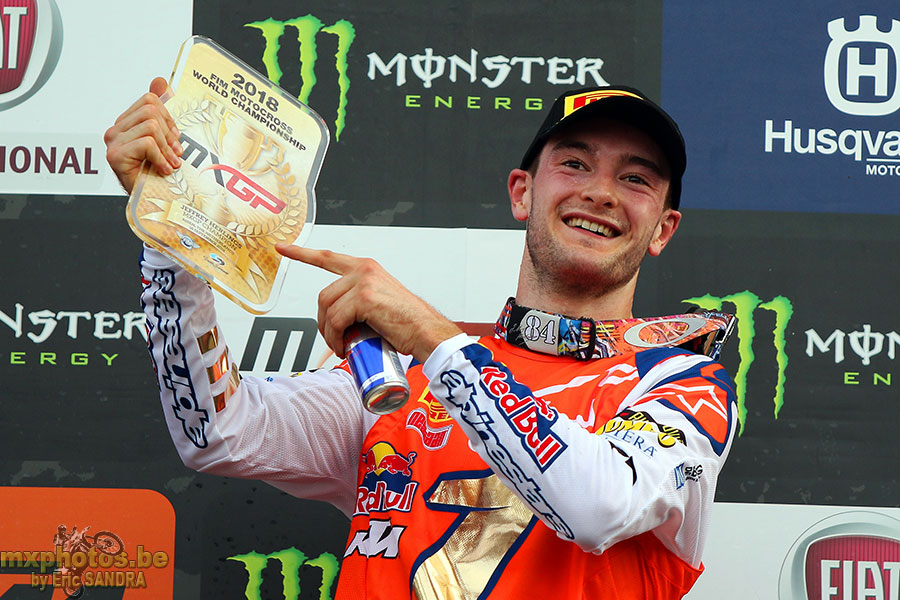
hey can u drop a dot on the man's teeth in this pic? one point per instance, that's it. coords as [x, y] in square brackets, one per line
[590, 226]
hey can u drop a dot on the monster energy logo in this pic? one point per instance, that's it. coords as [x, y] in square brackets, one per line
[291, 560]
[745, 304]
[308, 28]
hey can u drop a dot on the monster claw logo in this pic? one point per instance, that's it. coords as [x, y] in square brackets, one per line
[291, 560]
[852, 47]
[308, 28]
[746, 303]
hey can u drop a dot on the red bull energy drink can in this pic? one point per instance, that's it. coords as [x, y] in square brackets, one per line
[376, 369]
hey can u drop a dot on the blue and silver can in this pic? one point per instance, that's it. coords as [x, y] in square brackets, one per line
[376, 369]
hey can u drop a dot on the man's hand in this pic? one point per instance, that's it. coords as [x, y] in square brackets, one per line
[365, 292]
[146, 131]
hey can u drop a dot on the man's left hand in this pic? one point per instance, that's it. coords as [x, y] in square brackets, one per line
[365, 292]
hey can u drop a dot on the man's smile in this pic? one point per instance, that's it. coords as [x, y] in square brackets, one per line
[593, 227]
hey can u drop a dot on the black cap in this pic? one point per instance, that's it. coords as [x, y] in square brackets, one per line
[622, 103]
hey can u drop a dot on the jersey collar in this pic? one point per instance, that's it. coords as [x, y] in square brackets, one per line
[702, 332]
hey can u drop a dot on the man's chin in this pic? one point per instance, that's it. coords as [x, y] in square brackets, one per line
[594, 279]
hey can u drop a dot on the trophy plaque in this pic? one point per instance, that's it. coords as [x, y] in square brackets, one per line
[252, 155]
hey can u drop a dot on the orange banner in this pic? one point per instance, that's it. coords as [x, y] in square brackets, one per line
[73, 538]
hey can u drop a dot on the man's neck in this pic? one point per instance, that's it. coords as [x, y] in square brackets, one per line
[605, 305]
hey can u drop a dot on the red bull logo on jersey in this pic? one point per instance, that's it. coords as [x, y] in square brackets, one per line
[386, 480]
[530, 417]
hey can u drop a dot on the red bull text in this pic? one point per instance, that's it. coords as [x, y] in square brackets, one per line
[386, 483]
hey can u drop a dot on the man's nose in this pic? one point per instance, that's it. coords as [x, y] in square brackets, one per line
[600, 189]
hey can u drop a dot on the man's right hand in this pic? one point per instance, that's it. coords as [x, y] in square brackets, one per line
[146, 131]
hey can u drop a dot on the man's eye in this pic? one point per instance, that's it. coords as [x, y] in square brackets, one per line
[573, 164]
[636, 179]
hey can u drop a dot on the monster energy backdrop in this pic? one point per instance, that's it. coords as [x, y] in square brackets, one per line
[430, 107]
[791, 202]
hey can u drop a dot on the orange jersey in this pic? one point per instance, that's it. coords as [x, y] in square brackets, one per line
[509, 474]
[433, 520]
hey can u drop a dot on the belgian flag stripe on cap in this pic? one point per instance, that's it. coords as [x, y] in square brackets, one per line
[576, 101]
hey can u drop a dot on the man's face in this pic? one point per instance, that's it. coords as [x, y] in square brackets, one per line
[594, 206]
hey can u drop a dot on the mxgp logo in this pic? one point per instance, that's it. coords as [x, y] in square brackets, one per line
[307, 29]
[30, 45]
[746, 303]
[861, 60]
[238, 184]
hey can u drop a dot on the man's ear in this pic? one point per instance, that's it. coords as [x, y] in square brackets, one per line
[519, 186]
[665, 229]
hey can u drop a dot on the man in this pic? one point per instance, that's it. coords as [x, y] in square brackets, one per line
[562, 458]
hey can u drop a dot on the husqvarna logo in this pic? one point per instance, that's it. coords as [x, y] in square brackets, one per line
[862, 67]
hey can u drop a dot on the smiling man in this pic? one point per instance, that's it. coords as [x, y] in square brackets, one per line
[596, 201]
[574, 454]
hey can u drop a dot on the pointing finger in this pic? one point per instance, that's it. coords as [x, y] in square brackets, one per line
[333, 262]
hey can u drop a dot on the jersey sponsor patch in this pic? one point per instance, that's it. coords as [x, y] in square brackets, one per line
[431, 421]
[386, 483]
[629, 436]
[631, 420]
[531, 418]
[380, 539]
[684, 473]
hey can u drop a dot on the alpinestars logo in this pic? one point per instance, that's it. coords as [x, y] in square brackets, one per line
[846, 72]
[745, 304]
[307, 29]
[862, 78]
[176, 376]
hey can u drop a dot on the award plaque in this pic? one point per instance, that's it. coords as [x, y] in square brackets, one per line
[252, 154]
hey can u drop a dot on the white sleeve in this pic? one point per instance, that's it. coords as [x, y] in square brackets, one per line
[301, 434]
[651, 468]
